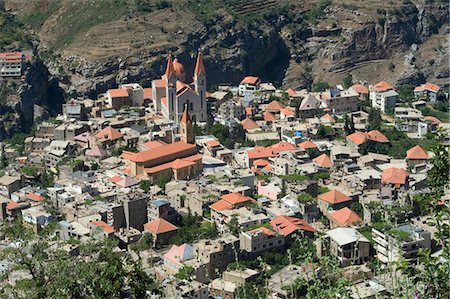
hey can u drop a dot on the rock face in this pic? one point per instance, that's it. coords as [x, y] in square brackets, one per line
[287, 47]
[36, 97]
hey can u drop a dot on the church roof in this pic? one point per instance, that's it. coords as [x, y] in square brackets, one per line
[185, 118]
[199, 66]
[169, 68]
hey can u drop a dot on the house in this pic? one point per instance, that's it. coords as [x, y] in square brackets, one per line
[332, 200]
[11, 64]
[100, 229]
[118, 97]
[56, 151]
[309, 107]
[231, 109]
[432, 122]
[161, 230]
[255, 242]
[269, 117]
[106, 137]
[37, 217]
[271, 190]
[358, 138]
[343, 218]
[226, 287]
[290, 227]
[248, 85]
[322, 162]
[383, 96]
[361, 90]
[9, 185]
[307, 145]
[404, 240]
[135, 92]
[428, 91]
[416, 155]
[250, 125]
[287, 114]
[274, 107]
[395, 177]
[339, 101]
[171, 94]
[410, 120]
[175, 258]
[348, 245]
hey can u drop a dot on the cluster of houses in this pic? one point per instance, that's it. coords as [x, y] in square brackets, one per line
[131, 162]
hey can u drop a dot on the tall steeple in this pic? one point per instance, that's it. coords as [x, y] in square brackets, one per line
[199, 66]
[200, 80]
[169, 68]
[186, 128]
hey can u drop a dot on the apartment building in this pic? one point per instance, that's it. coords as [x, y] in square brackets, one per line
[383, 96]
[348, 245]
[256, 242]
[405, 240]
[11, 64]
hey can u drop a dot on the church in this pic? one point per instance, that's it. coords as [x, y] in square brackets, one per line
[171, 94]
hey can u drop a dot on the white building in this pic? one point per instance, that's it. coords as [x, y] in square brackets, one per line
[249, 85]
[383, 96]
[405, 240]
[11, 64]
[428, 91]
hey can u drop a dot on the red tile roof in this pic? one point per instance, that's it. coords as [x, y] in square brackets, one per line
[345, 217]
[159, 152]
[108, 229]
[235, 198]
[249, 124]
[274, 106]
[286, 225]
[359, 138]
[115, 179]
[260, 152]
[175, 164]
[109, 133]
[248, 111]
[269, 116]
[35, 197]
[221, 205]
[282, 146]
[291, 92]
[417, 153]
[395, 176]
[359, 88]
[334, 197]
[432, 119]
[212, 143]
[118, 93]
[323, 161]
[159, 226]
[252, 80]
[307, 145]
[427, 86]
[287, 112]
[260, 163]
[153, 144]
[329, 118]
[262, 229]
[382, 86]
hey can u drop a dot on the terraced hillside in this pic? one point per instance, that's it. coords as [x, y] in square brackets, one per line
[100, 43]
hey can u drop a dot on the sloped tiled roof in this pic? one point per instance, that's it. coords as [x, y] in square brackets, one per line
[310, 102]
[249, 124]
[334, 197]
[252, 80]
[417, 153]
[382, 86]
[427, 86]
[159, 226]
[323, 161]
[108, 229]
[274, 106]
[159, 152]
[395, 176]
[345, 217]
[282, 146]
[269, 116]
[308, 144]
[359, 88]
[118, 93]
[109, 133]
[286, 225]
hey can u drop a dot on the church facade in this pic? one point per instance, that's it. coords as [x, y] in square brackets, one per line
[171, 94]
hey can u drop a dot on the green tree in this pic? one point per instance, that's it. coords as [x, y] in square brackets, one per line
[320, 86]
[185, 272]
[233, 226]
[144, 243]
[374, 119]
[145, 185]
[97, 272]
[406, 92]
[348, 80]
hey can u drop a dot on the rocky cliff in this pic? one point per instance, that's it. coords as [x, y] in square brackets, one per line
[292, 45]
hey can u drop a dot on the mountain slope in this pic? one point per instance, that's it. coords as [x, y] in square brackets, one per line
[100, 43]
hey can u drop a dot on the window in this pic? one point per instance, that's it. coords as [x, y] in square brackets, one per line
[201, 99]
[191, 106]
